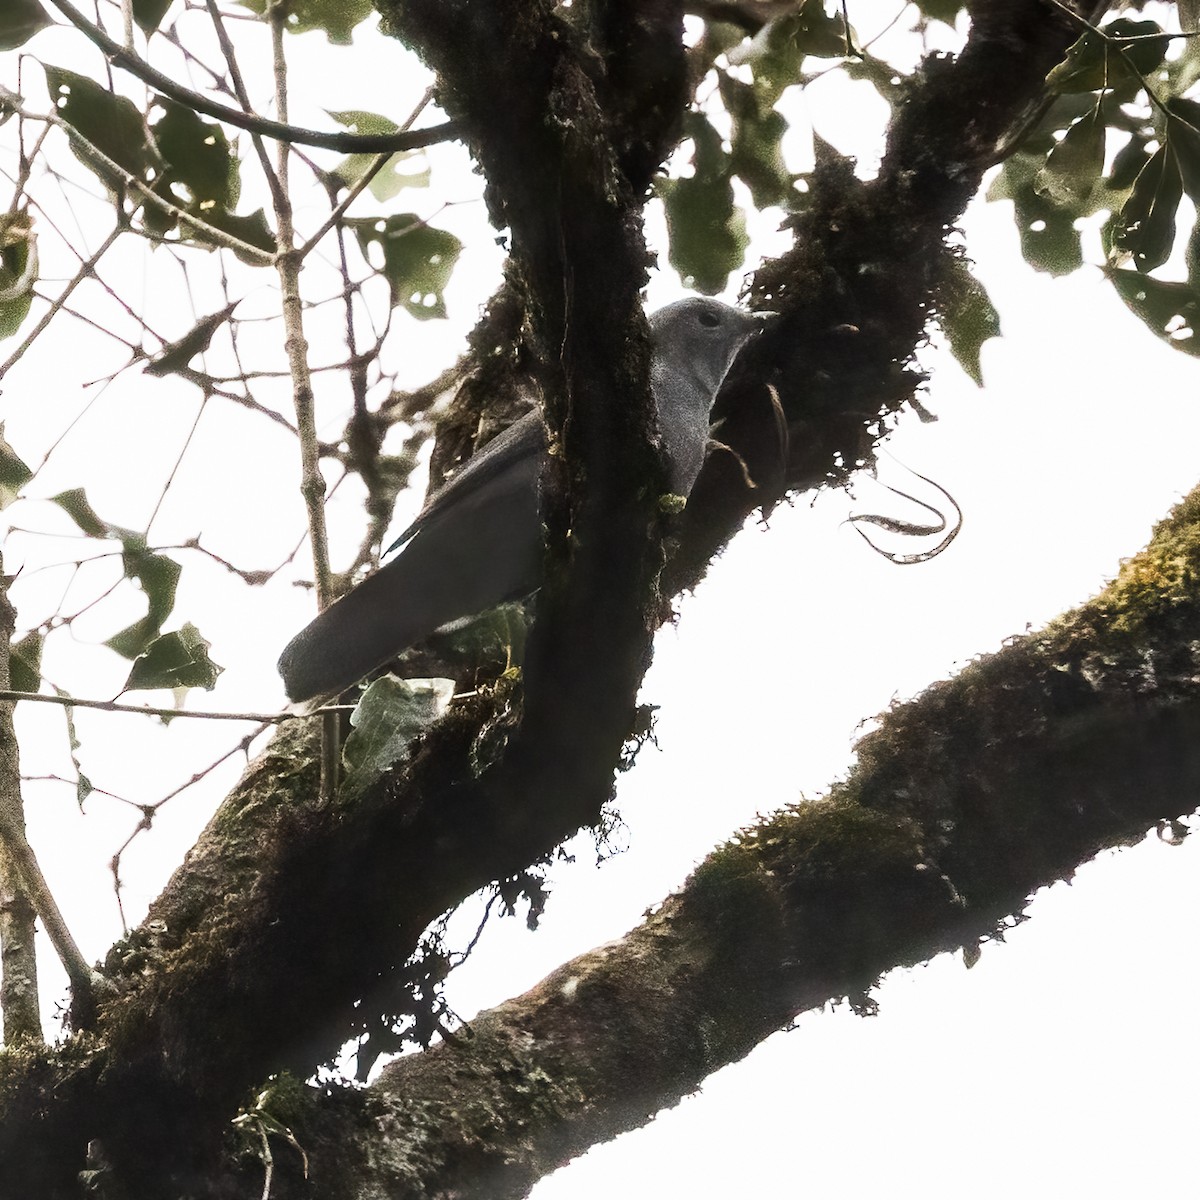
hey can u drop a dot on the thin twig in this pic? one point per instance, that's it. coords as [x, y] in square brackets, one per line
[57, 304]
[280, 131]
[146, 710]
[360, 185]
[217, 236]
[312, 483]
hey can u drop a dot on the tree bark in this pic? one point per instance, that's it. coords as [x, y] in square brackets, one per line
[289, 920]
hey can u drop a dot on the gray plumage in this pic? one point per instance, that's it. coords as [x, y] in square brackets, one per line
[478, 540]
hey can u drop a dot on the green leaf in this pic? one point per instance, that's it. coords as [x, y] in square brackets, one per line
[174, 660]
[1183, 137]
[1049, 240]
[158, 577]
[25, 663]
[197, 154]
[967, 317]
[177, 355]
[707, 231]
[18, 270]
[1117, 54]
[777, 53]
[1073, 167]
[1145, 228]
[74, 503]
[336, 17]
[941, 10]
[756, 154]
[390, 179]
[390, 714]
[418, 260]
[149, 13]
[110, 123]
[19, 21]
[14, 474]
[1128, 162]
[1171, 311]
[252, 229]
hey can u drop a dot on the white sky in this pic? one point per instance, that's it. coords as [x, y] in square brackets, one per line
[1062, 1065]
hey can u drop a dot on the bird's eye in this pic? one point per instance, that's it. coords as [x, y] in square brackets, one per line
[711, 319]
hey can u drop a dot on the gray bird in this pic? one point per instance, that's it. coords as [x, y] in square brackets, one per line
[478, 541]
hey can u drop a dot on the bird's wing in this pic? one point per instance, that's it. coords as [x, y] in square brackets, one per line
[515, 454]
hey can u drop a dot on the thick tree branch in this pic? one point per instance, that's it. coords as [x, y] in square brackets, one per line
[963, 803]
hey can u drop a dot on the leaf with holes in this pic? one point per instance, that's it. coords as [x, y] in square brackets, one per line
[336, 18]
[1049, 240]
[391, 178]
[196, 154]
[1171, 311]
[418, 260]
[110, 123]
[1145, 228]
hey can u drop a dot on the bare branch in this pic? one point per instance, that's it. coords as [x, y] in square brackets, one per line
[280, 131]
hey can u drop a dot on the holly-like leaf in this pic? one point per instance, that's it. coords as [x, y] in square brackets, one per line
[390, 714]
[174, 660]
[707, 231]
[337, 18]
[418, 260]
[25, 663]
[177, 355]
[158, 577]
[1073, 167]
[390, 178]
[14, 474]
[109, 122]
[19, 21]
[967, 316]
[1171, 311]
[1145, 228]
